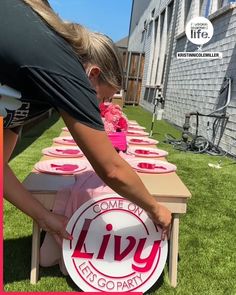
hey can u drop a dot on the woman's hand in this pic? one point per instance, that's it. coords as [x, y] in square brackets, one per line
[15, 193]
[56, 225]
[161, 216]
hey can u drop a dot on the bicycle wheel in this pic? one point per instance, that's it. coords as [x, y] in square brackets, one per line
[199, 144]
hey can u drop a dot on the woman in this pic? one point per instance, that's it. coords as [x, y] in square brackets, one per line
[54, 64]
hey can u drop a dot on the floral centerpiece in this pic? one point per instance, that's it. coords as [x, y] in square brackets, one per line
[115, 124]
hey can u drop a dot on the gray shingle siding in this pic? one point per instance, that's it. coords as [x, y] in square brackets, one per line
[193, 85]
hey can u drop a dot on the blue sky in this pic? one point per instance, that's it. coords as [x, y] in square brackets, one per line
[110, 17]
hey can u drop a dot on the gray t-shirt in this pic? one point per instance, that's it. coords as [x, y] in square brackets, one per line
[43, 67]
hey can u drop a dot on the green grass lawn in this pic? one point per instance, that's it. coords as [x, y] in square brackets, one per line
[207, 251]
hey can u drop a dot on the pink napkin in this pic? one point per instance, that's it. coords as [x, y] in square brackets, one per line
[132, 132]
[65, 167]
[69, 151]
[150, 166]
[69, 140]
[144, 152]
[139, 140]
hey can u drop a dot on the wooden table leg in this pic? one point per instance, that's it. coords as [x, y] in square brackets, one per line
[34, 273]
[174, 245]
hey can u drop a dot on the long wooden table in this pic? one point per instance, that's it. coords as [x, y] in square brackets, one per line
[168, 189]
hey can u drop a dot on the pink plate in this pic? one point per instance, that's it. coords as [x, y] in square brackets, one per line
[135, 127]
[66, 140]
[147, 152]
[63, 152]
[136, 133]
[132, 124]
[65, 129]
[141, 141]
[152, 166]
[61, 166]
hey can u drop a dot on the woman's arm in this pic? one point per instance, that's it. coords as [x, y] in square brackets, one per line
[114, 171]
[15, 193]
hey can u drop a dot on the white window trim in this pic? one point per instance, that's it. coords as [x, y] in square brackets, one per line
[163, 47]
[150, 62]
[217, 13]
[156, 52]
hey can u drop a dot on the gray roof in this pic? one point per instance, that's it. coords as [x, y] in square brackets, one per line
[138, 8]
[122, 43]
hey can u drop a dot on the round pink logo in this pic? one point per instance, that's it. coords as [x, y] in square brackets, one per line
[115, 247]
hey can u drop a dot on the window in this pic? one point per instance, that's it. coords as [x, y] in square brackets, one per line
[170, 13]
[153, 13]
[194, 8]
[220, 3]
[162, 21]
[187, 11]
[143, 36]
[200, 7]
[159, 51]
[156, 27]
[145, 25]
[231, 1]
[163, 39]
[149, 94]
[208, 8]
[155, 53]
[150, 28]
[146, 94]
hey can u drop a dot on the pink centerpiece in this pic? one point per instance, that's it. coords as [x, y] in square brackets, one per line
[118, 140]
[115, 124]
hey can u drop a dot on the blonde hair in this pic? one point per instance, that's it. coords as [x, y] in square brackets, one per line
[91, 47]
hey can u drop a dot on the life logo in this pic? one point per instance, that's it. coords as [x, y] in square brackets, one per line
[199, 30]
[115, 248]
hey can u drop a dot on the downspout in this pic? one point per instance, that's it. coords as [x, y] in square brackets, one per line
[125, 84]
[132, 8]
[143, 52]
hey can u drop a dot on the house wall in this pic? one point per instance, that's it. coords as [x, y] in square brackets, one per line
[137, 10]
[143, 41]
[191, 85]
